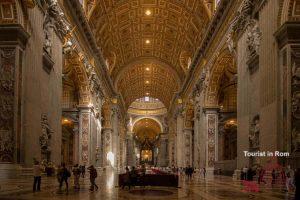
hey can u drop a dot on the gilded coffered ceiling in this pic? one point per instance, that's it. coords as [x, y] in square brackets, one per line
[166, 31]
[146, 129]
[147, 79]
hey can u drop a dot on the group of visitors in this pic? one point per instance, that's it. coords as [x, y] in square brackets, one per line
[288, 176]
[247, 173]
[130, 177]
[189, 171]
[63, 174]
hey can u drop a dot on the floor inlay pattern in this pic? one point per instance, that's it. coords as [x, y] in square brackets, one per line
[217, 188]
[151, 192]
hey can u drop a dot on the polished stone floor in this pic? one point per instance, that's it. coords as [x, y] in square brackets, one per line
[219, 187]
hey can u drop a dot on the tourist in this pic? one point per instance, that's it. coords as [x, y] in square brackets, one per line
[76, 172]
[250, 174]
[133, 176]
[242, 174]
[64, 174]
[126, 180]
[289, 174]
[37, 171]
[273, 176]
[93, 176]
[245, 170]
[297, 184]
[261, 173]
[204, 172]
[143, 169]
[82, 170]
[283, 176]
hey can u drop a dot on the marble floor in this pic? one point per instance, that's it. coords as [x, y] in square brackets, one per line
[219, 187]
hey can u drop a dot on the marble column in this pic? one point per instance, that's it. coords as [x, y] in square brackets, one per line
[13, 39]
[187, 150]
[288, 39]
[98, 145]
[115, 135]
[107, 150]
[130, 157]
[171, 151]
[76, 143]
[84, 135]
[179, 139]
[163, 151]
[211, 117]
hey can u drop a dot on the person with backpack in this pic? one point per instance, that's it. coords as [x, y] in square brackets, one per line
[93, 176]
[64, 175]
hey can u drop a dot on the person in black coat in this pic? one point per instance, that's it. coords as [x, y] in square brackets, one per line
[297, 184]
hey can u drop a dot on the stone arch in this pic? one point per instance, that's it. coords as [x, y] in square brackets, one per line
[147, 117]
[223, 62]
[288, 12]
[74, 69]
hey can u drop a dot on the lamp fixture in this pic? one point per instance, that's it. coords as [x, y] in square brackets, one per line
[148, 12]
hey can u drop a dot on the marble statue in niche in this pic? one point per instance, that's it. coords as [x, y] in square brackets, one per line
[253, 38]
[45, 138]
[48, 26]
[54, 18]
[240, 22]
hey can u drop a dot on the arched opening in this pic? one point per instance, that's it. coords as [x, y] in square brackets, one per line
[146, 134]
[68, 145]
[222, 94]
